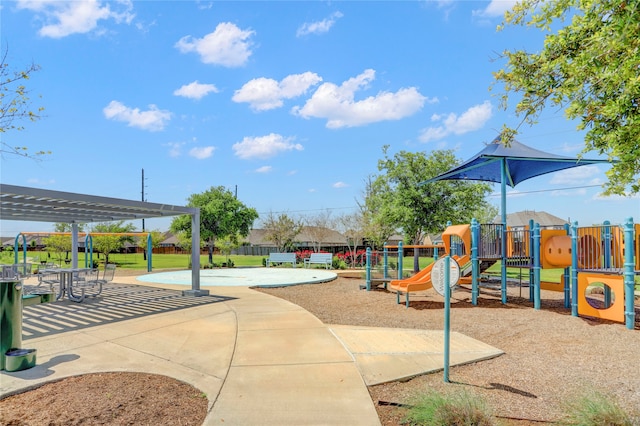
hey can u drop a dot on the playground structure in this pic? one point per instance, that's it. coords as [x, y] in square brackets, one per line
[606, 256]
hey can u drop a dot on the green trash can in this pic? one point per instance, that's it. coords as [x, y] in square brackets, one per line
[12, 356]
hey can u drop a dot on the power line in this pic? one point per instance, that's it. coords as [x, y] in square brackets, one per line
[491, 195]
[309, 210]
[551, 190]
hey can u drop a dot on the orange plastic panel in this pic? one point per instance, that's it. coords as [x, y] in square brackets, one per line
[555, 249]
[462, 231]
[589, 248]
[615, 312]
[548, 285]
[617, 249]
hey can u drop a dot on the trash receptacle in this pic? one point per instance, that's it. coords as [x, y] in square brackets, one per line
[12, 356]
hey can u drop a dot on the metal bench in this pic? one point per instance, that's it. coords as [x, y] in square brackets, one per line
[325, 259]
[281, 258]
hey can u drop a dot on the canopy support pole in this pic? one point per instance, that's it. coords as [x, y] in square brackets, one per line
[503, 208]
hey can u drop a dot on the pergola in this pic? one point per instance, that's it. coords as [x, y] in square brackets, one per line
[19, 203]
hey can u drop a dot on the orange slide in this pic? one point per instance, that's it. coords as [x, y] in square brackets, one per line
[418, 282]
[422, 280]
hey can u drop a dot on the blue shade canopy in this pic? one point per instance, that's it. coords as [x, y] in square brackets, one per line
[521, 163]
[509, 165]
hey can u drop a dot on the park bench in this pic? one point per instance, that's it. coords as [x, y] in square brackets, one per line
[281, 258]
[325, 259]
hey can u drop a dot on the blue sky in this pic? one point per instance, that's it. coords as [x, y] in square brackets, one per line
[289, 102]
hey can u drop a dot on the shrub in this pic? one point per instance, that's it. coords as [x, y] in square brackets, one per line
[594, 409]
[360, 258]
[336, 263]
[434, 409]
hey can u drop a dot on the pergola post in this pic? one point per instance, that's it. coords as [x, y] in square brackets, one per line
[195, 257]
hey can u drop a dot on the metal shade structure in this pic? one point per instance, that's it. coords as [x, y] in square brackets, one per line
[40, 205]
[509, 165]
[21, 203]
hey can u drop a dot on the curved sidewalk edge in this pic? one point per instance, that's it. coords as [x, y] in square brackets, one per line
[288, 369]
[259, 359]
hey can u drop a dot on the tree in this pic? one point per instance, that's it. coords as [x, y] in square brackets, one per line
[15, 106]
[156, 239]
[227, 244]
[106, 244]
[221, 215]
[351, 225]
[58, 244]
[319, 228]
[282, 231]
[420, 209]
[61, 243]
[486, 213]
[374, 226]
[589, 68]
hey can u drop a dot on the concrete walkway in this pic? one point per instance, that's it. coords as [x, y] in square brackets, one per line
[259, 359]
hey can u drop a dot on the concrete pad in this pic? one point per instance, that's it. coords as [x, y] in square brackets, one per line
[298, 318]
[309, 394]
[186, 344]
[389, 354]
[153, 322]
[288, 346]
[69, 342]
[255, 304]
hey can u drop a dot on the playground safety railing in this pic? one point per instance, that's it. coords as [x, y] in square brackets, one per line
[519, 252]
[601, 248]
[490, 244]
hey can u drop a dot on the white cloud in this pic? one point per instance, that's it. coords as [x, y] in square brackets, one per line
[195, 90]
[175, 148]
[264, 169]
[472, 119]
[264, 146]
[264, 93]
[340, 185]
[228, 45]
[319, 27]
[63, 18]
[201, 153]
[496, 8]
[337, 104]
[576, 175]
[153, 119]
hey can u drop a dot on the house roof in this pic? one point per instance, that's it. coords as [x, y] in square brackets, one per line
[521, 219]
[257, 237]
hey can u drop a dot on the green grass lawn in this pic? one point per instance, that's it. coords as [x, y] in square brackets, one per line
[136, 261]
